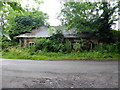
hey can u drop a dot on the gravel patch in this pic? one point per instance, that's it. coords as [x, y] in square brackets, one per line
[65, 80]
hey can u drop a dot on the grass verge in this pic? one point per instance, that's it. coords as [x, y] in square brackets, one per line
[26, 54]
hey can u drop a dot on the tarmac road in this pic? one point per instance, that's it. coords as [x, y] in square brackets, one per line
[17, 73]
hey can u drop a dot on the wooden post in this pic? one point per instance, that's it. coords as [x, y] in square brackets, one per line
[25, 42]
[20, 42]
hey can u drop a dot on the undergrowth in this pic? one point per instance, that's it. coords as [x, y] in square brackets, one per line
[26, 53]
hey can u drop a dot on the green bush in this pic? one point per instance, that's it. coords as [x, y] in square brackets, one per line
[17, 53]
[42, 44]
[115, 36]
[80, 45]
[7, 43]
[54, 44]
[68, 46]
[57, 41]
[112, 47]
[77, 46]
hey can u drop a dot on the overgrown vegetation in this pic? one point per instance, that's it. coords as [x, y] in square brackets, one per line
[94, 18]
[84, 16]
[17, 53]
[62, 49]
[16, 20]
[25, 22]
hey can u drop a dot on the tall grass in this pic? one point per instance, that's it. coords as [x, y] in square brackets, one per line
[26, 53]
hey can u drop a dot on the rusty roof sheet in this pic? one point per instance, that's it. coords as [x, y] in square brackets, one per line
[45, 32]
[39, 32]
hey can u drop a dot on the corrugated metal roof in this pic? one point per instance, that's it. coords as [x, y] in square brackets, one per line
[45, 32]
[39, 32]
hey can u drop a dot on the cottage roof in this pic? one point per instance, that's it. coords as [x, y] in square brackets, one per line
[46, 32]
[39, 32]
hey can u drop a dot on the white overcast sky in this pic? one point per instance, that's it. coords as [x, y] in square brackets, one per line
[52, 8]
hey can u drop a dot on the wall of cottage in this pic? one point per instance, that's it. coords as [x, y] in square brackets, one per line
[26, 41]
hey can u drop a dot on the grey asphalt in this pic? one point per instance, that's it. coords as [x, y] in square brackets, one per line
[17, 73]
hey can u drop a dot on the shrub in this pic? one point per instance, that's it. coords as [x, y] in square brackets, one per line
[16, 52]
[54, 44]
[77, 47]
[42, 44]
[68, 46]
[7, 43]
[112, 47]
[115, 36]
[57, 41]
[80, 45]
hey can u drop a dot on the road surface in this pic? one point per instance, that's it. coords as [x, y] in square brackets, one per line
[18, 73]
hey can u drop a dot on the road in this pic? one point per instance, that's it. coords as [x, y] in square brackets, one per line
[18, 73]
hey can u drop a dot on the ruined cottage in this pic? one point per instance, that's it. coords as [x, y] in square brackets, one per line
[43, 31]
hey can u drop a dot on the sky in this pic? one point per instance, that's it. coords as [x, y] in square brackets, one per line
[52, 8]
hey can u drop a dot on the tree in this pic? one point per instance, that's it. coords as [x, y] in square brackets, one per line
[22, 23]
[15, 17]
[4, 10]
[92, 17]
[16, 20]
[106, 19]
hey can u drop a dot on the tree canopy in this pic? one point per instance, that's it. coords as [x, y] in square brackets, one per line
[4, 10]
[91, 17]
[17, 20]
[25, 22]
